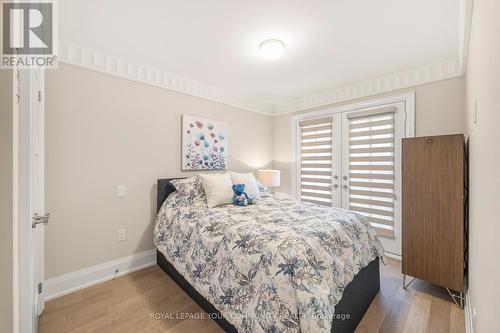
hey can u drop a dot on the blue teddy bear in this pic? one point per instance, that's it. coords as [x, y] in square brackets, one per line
[240, 198]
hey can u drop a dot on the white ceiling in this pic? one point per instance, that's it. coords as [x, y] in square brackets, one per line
[329, 43]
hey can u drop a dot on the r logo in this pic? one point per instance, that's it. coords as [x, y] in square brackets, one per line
[27, 27]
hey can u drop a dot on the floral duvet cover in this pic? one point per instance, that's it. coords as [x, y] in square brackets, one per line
[275, 266]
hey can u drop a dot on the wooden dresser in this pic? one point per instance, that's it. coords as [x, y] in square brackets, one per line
[433, 209]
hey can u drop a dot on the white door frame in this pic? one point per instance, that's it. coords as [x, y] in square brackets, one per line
[31, 141]
[409, 107]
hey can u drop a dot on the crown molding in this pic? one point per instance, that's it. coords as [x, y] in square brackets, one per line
[87, 58]
[80, 56]
[408, 78]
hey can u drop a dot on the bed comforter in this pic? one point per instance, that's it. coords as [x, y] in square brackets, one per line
[275, 266]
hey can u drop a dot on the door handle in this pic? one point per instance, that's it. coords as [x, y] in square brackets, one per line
[345, 187]
[37, 219]
[335, 186]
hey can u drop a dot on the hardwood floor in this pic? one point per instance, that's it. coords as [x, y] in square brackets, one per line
[126, 304]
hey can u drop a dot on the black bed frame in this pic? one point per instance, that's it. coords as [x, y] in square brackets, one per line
[355, 300]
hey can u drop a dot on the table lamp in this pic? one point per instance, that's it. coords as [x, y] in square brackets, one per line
[269, 178]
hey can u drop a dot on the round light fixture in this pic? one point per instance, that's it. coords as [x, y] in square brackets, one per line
[272, 49]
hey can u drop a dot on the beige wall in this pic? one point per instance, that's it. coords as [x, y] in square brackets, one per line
[483, 83]
[439, 109]
[102, 131]
[6, 200]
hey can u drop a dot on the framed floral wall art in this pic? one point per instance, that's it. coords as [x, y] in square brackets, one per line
[204, 144]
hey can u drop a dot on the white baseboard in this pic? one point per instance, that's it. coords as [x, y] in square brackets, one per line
[392, 255]
[71, 282]
[469, 327]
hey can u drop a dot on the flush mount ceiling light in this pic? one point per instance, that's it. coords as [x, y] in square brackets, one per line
[272, 49]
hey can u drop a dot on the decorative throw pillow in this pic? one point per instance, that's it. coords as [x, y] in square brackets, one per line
[264, 191]
[188, 187]
[248, 179]
[218, 189]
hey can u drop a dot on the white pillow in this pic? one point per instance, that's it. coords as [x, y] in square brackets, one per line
[250, 182]
[218, 189]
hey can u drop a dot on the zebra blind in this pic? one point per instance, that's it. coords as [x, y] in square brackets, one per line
[316, 161]
[371, 167]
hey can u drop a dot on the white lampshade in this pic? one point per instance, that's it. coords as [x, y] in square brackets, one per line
[269, 177]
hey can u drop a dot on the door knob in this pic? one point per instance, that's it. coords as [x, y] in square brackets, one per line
[37, 219]
[335, 186]
[345, 187]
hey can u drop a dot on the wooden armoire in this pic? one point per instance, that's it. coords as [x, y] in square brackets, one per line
[433, 199]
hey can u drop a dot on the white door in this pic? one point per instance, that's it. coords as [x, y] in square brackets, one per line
[32, 213]
[371, 168]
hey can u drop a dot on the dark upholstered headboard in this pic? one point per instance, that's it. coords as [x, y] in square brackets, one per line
[163, 190]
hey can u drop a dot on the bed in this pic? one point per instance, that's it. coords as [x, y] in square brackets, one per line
[253, 269]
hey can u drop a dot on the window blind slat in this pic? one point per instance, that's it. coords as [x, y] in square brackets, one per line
[379, 203]
[317, 158]
[371, 141]
[324, 136]
[372, 132]
[317, 202]
[371, 150]
[380, 221]
[372, 211]
[318, 195]
[317, 165]
[313, 143]
[384, 122]
[372, 167]
[316, 187]
[372, 193]
[316, 150]
[388, 233]
[316, 180]
[316, 128]
[371, 176]
[315, 173]
[371, 158]
[371, 184]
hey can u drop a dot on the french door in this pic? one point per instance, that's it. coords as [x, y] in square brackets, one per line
[352, 160]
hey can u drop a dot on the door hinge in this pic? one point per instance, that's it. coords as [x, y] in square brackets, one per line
[40, 288]
[39, 95]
